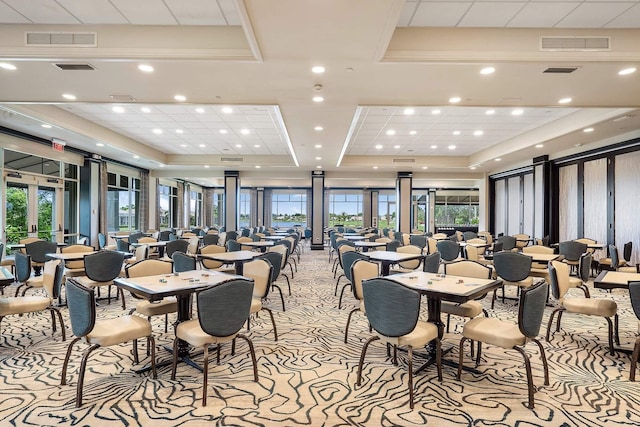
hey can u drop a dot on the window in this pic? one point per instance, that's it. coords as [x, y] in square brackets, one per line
[123, 195]
[456, 207]
[289, 208]
[345, 208]
[168, 201]
[245, 208]
[387, 209]
[195, 208]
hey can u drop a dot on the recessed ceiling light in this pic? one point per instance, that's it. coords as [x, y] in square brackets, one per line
[46, 126]
[227, 110]
[478, 133]
[146, 68]
[318, 145]
[456, 132]
[223, 131]
[201, 145]
[318, 99]
[565, 100]
[539, 145]
[375, 167]
[207, 166]
[413, 132]
[145, 109]
[391, 132]
[627, 71]
[487, 70]
[318, 69]
[180, 98]
[136, 157]
[7, 66]
[409, 111]
[498, 159]
[179, 131]
[433, 147]
[244, 131]
[256, 145]
[318, 128]
[396, 146]
[425, 167]
[587, 130]
[257, 166]
[378, 147]
[157, 131]
[69, 96]
[490, 112]
[451, 147]
[435, 112]
[200, 110]
[118, 109]
[238, 145]
[517, 112]
[99, 144]
[455, 99]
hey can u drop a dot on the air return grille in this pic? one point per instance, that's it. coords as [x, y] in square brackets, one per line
[568, 44]
[61, 39]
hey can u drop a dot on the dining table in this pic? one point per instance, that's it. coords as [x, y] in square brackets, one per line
[182, 286]
[387, 258]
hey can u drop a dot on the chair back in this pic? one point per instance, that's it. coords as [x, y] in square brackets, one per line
[531, 309]
[103, 266]
[431, 263]
[584, 266]
[468, 235]
[392, 308]
[178, 245]
[233, 246]
[210, 239]
[183, 262]
[148, 267]
[558, 279]
[261, 271]
[122, 245]
[448, 250]
[634, 295]
[572, 250]
[39, 249]
[102, 240]
[23, 267]
[468, 268]
[275, 259]
[512, 266]
[419, 241]
[224, 308]
[211, 249]
[81, 302]
[361, 270]
[348, 258]
[508, 242]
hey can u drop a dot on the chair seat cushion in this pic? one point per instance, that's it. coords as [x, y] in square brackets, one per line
[493, 331]
[118, 330]
[526, 283]
[467, 309]
[17, 305]
[156, 308]
[191, 332]
[590, 306]
[419, 337]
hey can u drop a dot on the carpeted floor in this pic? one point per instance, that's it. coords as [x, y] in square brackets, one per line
[308, 376]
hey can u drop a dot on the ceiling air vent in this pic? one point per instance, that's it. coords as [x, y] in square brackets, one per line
[231, 159]
[64, 39]
[404, 160]
[560, 70]
[576, 44]
[75, 67]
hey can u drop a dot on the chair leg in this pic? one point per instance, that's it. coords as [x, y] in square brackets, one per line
[527, 365]
[346, 329]
[362, 354]
[83, 366]
[205, 375]
[253, 356]
[65, 364]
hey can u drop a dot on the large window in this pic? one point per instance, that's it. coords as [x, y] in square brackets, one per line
[387, 209]
[245, 208]
[195, 208]
[168, 201]
[345, 208]
[289, 208]
[456, 208]
[123, 196]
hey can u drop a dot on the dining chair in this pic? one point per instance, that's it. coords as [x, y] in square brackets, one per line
[222, 311]
[634, 296]
[275, 259]
[393, 312]
[103, 333]
[52, 273]
[260, 271]
[152, 267]
[469, 309]
[600, 307]
[101, 269]
[505, 334]
[514, 269]
[361, 270]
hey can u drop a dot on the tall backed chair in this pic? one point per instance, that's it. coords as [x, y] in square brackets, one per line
[82, 314]
[51, 278]
[634, 295]
[600, 307]
[513, 269]
[101, 269]
[469, 309]
[151, 267]
[393, 311]
[222, 310]
[505, 334]
[361, 270]
[449, 250]
[260, 271]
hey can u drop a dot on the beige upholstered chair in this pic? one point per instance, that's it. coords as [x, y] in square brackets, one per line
[599, 307]
[260, 271]
[469, 309]
[360, 270]
[76, 267]
[152, 267]
[507, 335]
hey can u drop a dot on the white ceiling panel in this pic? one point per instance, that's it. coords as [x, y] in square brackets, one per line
[196, 12]
[93, 12]
[145, 12]
[542, 14]
[42, 11]
[629, 19]
[439, 14]
[8, 15]
[490, 14]
[594, 15]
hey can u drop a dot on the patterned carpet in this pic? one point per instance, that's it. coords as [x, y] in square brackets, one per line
[308, 376]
